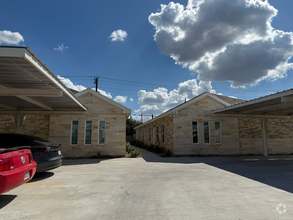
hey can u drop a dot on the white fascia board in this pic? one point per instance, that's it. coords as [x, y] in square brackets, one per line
[263, 99]
[12, 52]
[40, 66]
[99, 95]
[251, 116]
[23, 112]
[25, 53]
[176, 109]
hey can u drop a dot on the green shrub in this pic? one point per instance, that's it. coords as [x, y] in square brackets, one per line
[158, 149]
[138, 143]
[150, 147]
[134, 153]
[128, 147]
[168, 152]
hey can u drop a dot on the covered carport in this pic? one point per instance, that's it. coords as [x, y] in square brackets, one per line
[28, 87]
[279, 105]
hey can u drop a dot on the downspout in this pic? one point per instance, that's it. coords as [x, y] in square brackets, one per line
[18, 120]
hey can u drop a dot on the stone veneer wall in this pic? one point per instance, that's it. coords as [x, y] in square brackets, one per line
[36, 125]
[143, 133]
[7, 124]
[98, 109]
[279, 136]
[200, 111]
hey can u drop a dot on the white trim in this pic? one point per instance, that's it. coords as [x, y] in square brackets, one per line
[163, 134]
[21, 112]
[158, 134]
[197, 124]
[28, 55]
[99, 95]
[153, 134]
[85, 133]
[250, 116]
[262, 99]
[208, 131]
[71, 133]
[150, 134]
[220, 133]
[31, 92]
[175, 110]
[99, 133]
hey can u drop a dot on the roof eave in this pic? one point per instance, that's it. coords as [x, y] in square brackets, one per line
[88, 90]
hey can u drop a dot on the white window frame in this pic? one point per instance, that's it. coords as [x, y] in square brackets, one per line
[197, 132]
[220, 133]
[154, 127]
[150, 134]
[158, 133]
[209, 133]
[85, 133]
[99, 133]
[71, 133]
[163, 133]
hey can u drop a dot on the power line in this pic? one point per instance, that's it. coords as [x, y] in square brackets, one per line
[126, 82]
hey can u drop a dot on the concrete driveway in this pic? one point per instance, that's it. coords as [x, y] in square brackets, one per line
[157, 188]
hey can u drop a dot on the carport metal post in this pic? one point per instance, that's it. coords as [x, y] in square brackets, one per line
[263, 122]
[18, 119]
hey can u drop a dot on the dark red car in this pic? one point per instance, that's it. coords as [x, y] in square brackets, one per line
[17, 166]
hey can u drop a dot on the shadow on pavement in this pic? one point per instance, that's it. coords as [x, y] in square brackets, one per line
[275, 171]
[6, 199]
[41, 176]
[68, 162]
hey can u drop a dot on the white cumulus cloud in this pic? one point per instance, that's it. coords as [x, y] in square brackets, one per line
[118, 35]
[160, 100]
[69, 84]
[224, 40]
[131, 99]
[120, 98]
[8, 37]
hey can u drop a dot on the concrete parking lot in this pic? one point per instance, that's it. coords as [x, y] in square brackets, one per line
[158, 188]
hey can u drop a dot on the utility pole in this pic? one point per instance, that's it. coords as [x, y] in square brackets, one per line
[141, 118]
[96, 82]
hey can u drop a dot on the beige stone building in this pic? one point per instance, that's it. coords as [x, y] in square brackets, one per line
[194, 128]
[101, 130]
[34, 101]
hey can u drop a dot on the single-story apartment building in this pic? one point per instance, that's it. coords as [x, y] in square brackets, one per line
[102, 130]
[211, 124]
[34, 101]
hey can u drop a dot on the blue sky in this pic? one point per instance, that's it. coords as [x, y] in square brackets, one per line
[84, 29]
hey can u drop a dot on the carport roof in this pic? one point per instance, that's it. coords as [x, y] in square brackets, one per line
[276, 105]
[27, 86]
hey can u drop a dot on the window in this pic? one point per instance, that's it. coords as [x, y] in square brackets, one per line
[102, 131]
[150, 134]
[157, 133]
[218, 132]
[74, 132]
[88, 132]
[195, 132]
[206, 132]
[163, 133]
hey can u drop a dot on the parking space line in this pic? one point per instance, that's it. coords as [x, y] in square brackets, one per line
[44, 183]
